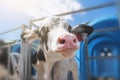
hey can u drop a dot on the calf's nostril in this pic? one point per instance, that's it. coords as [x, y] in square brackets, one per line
[62, 41]
[74, 40]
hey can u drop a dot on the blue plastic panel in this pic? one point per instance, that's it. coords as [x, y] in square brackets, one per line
[101, 44]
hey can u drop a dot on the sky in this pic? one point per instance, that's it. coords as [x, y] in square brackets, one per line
[14, 13]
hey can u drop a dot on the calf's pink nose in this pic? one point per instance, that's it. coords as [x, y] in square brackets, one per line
[67, 40]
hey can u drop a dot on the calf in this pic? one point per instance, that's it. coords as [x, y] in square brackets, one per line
[7, 69]
[58, 43]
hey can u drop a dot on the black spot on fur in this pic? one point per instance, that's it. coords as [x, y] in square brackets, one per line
[70, 76]
[38, 56]
[41, 55]
[34, 58]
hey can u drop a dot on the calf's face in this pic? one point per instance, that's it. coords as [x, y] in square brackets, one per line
[57, 37]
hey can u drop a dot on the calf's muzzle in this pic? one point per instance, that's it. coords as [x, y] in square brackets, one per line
[67, 41]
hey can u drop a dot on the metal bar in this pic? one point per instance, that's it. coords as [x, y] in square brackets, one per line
[26, 56]
[27, 61]
[10, 30]
[21, 63]
[24, 27]
[87, 59]
[80, 10]
[34, 25]
[104, 57]
[12, 44]
[30, 24]
[14, 29]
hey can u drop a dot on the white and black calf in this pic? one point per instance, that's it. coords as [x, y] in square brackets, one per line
[7, 69]
[58, 43]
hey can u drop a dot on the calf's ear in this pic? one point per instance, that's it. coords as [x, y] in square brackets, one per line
[82, 31]
[29, 36]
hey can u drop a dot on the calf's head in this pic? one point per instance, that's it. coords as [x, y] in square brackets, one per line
[57, 37]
